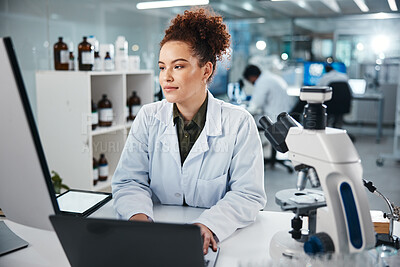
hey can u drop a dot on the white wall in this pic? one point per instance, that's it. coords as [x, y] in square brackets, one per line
[34, 26]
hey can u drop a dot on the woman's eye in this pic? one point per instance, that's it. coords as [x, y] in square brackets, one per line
[178, 67]
[161, 68]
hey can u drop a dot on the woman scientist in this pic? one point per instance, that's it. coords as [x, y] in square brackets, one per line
[192, 149]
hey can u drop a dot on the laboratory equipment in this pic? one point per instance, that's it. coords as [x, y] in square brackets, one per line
[339, 219]
[393, 215]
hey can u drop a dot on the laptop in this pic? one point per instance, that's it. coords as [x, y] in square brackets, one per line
[358, 86]
[106, 242]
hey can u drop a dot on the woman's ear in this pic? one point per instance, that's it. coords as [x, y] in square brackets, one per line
[208, 69]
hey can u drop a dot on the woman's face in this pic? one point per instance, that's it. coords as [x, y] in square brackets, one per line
[182, 80]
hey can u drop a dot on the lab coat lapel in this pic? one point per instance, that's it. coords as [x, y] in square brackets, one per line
[169, 137]
[212, 127]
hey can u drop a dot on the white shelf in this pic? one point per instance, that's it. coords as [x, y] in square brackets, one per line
[64, 120]
[105, 130]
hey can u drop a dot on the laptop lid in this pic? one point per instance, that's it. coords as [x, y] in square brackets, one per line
[104, 242]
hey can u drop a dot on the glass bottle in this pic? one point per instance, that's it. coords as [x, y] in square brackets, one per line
[103, 168]
[105, 112]
[95, 116]
[95, 171]
[60, 55]
[97, 61]
[108, 64]
[85, 55]
[134, 105]
[71, 61]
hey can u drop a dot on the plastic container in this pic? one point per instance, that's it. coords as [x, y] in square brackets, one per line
[121, 54]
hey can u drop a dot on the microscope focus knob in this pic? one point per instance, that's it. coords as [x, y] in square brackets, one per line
[319, 243]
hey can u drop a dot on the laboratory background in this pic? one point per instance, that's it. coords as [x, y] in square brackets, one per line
[83, 123]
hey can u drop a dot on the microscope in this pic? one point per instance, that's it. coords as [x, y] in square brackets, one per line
[339, 219]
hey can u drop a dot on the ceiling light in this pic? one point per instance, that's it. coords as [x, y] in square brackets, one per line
[261, 45]
[360, 47]
[380, 43]
[392, 5]
[302, 4]
[332, 4]
[172, 3]
[260, 20]
[361, 5]
[248, 6]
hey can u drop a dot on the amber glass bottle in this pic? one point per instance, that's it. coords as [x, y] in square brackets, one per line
[61, 55]
[95, 171]
[105, 112]
[103, 168]
[108, 64]
[95, 116]
[85, 55]
[134, 105]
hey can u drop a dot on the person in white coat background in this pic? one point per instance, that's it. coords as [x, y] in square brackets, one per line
[269, 95]
[190, 148]
[331, 75]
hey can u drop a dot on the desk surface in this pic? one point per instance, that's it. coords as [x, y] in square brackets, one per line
[247, 246]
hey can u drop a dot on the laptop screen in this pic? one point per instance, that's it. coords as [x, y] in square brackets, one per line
[358, 86]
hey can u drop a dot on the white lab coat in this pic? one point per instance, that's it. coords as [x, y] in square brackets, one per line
[224, 170]
[332, 76]
[269, 96]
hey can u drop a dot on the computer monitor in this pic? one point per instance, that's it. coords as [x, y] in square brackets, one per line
[26, 193]
[313, 71]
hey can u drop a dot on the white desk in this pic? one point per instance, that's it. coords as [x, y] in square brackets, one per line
[245, 247]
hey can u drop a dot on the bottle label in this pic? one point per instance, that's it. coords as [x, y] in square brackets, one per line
[106, 114]
[64, 56]
[97, 64]
[95, 118]
[95, 174]
[87, 57]
[103, 170]
[108, 64]
[71, 64]
[135, 109]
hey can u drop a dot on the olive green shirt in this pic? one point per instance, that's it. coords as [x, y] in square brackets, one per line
[189, 132]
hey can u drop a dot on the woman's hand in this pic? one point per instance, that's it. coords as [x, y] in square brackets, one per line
[139, 217]
[208, 238]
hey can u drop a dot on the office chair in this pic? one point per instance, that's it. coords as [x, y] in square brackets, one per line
[272, 160]
[339, 105]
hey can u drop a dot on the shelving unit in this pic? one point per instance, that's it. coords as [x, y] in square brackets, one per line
[64, 120]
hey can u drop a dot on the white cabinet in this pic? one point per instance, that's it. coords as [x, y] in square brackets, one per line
[64, 120]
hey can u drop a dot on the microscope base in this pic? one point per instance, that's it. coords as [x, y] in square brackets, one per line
[284, 246]
[386, 239]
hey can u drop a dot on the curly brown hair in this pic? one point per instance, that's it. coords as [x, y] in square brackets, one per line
[203, 30]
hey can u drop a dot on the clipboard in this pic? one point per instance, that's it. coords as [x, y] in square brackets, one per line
[81, 203]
